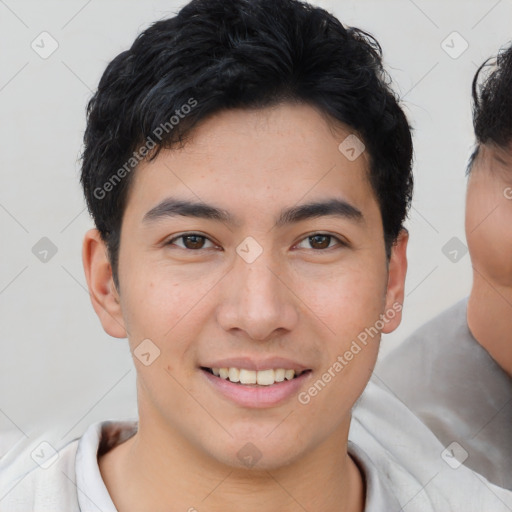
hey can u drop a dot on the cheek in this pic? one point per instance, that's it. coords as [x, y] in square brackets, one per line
[490, 240]
[491, 251]
[152, 309]
[159, 310]
[346, 304]
[158, 297]
[351, 307]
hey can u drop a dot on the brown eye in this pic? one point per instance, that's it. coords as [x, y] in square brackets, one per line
[191, 241]
[320, 241]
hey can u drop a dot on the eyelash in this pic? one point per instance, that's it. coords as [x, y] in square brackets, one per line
[340, 243]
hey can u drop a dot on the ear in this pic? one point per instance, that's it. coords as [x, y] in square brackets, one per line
[396, 282]
[104, 295]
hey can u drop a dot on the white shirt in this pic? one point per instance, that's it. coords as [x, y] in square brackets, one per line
[409, 458]
[399, 458]
[454, 386]
[94, 496]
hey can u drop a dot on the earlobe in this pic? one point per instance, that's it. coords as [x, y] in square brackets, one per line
[104, 295]
[396, 282]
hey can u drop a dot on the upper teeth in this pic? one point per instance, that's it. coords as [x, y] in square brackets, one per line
[261, 377]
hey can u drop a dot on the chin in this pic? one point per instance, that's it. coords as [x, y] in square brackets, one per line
[257, 454]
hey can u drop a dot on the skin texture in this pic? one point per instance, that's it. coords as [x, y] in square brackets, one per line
[294, 301]
[488, 222]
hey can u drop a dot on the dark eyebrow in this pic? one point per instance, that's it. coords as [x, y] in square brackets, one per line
[335, 207]
[171, 207]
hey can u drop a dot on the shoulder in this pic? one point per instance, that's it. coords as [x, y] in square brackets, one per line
[432, 344]
[36, 475]
[450, 323]
[407, 460]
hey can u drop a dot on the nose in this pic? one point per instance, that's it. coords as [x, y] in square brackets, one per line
[257, 300]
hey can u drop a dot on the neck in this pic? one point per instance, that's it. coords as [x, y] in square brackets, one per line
[152, 471]
[490, 319]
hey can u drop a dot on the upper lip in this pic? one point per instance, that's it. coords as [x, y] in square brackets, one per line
[251, 363]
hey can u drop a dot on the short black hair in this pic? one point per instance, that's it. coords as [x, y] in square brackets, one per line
[242, 54]
[492, 102]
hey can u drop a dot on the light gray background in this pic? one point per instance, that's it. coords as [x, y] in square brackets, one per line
[57, 366]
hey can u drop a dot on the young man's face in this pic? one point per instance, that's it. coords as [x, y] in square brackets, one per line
[251, 291]
[489, 215]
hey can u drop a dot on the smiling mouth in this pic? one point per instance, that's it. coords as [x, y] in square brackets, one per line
[254, 378]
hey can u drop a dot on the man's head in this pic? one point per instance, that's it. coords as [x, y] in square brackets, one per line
[489, 193]
[216, 56]
[262, 235]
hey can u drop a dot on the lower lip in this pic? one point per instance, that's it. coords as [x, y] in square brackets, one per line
[257, 396]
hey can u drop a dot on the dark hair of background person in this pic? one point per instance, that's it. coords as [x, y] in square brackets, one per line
[243, 54]
[492, 102]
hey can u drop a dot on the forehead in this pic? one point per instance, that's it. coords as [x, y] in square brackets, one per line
[259, 158]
